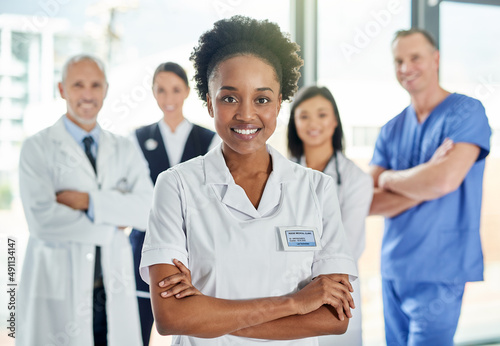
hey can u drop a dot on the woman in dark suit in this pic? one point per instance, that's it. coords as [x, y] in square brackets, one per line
[164, 144]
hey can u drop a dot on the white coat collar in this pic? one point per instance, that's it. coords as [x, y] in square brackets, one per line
[73, 152]
[217, 173]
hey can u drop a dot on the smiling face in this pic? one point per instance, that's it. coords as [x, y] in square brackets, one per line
[84, 90]
[170, 91]
[315, 121]
[416, 63]
[244, 99]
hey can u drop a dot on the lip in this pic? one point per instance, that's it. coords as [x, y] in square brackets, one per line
[87, 106]
[246, 127]
[313, 133]
[410, 78]
[86, 103]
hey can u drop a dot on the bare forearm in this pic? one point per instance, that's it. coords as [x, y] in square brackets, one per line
[207, 317]
[423, 182]
[74, 199]
[323, 321]
[390, 204]
[435, 178]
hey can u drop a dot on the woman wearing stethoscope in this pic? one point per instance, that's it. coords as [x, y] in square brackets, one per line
[164, 144]
[315, 140]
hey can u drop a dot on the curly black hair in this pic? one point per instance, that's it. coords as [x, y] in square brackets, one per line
[242, 35]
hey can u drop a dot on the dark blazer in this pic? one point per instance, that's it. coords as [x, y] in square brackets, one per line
[197, 144]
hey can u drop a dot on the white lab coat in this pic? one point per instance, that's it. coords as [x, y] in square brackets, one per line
[355, 195]
[203, 218]
[56, 287]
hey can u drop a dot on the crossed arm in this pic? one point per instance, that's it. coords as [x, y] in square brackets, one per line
[317, 309]
[397, 191]
[137, 198]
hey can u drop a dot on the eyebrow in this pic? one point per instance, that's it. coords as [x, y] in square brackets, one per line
[226, 87]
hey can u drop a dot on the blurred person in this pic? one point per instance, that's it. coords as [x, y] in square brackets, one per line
[428, 169]
[316, 140]
[163, 144]
[261, 235]
[80, 187]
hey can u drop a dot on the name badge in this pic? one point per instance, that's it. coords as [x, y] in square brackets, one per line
[300, 238]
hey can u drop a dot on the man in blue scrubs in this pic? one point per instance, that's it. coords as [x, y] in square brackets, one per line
[428, 169]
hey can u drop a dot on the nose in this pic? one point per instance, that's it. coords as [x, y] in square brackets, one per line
[404, 67]
[168, 97]
[245, 111]
[87, 93]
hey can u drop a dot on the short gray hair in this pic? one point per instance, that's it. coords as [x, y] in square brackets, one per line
[82, 57]
[427, 35]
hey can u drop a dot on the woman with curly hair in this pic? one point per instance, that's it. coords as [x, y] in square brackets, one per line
[261, 235]
[315, 140]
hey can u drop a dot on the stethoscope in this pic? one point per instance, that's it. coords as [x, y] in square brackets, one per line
[334, 157]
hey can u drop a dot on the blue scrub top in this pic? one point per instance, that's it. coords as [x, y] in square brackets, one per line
[437, 240]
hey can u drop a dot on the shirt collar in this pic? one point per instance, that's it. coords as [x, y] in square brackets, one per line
[184, 126]
[216, 171]
[78, 133]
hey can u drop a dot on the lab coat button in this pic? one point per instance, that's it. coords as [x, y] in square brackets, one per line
[90, 256]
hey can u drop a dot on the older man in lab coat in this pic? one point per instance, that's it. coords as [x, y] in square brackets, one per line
[80, 187]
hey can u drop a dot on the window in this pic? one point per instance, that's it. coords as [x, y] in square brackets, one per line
[355, 61]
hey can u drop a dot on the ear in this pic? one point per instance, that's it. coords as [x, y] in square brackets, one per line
[436, 57]
[61, 90]
[187, 94]
[209, 106]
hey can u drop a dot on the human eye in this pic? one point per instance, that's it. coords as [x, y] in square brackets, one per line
[322, 115]
[78, 85]
[177, 90]
[229, 99]
[262, 100]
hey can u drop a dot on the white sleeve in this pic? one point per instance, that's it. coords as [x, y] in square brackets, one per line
[335, 255]
[166, 232]
[46, 218]
[356, 199]
[134, 203]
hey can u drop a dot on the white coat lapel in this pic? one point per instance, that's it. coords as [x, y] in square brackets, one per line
[106, 149]
[236, 198]
[217, 173]
[69, 154]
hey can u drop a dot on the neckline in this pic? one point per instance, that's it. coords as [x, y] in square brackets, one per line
[434, 110]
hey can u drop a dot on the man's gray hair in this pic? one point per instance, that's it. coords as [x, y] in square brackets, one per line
[81, 57]
[427, 35]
